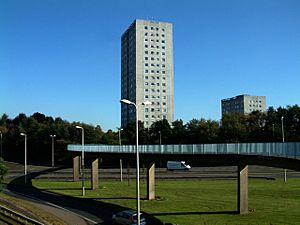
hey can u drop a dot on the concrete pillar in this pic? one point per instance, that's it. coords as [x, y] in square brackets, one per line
[95, 175]
[76, 168]
[151, 182]
[242, 189]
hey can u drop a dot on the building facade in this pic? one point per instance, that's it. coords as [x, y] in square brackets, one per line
[147, 72]
[244, 104]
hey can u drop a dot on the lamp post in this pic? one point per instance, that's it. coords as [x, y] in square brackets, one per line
[125, 101]
[282, 131]
[121, 166]
[159, 137]
[82, 158]
[25, 160]
[52, 137]
[1, 143]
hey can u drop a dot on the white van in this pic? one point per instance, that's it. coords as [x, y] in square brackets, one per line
[177, 165]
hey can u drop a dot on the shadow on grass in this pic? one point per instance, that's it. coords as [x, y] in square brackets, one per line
[100, 212]
[195, 213]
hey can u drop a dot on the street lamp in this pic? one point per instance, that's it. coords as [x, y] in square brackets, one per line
[121, 166]
[82, 159]
[25, 163]
[282, 131]
[1, 142]
[52, 137]
[159, 137]
[125, 101]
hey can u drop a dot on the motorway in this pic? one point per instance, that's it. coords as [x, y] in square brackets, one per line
[86, 212]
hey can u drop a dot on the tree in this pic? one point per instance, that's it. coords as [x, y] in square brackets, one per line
[233, 128]
[3, 171]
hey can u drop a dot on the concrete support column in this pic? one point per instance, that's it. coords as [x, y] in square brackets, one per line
[151, 182]
[95, 174]
[242, 189]
[76, 168]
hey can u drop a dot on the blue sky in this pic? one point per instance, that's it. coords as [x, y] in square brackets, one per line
[62, 57]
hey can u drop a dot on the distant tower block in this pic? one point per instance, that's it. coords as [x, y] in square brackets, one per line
[147, 72]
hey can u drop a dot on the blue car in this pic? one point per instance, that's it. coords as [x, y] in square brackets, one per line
[128, 217]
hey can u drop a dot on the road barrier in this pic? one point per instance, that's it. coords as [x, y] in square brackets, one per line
[13, 217]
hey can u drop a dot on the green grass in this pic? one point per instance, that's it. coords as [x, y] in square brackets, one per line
[199, 202]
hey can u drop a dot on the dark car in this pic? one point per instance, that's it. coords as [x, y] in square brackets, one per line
[128, 217]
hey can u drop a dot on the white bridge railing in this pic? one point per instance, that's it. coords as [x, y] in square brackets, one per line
[287, 149]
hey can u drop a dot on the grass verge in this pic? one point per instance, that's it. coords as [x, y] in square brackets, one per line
[198, 202]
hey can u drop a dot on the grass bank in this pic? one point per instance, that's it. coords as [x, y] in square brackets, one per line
[198, 202]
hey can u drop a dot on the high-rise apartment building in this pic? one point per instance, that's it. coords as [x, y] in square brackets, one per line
[244, 104]
[147, 71]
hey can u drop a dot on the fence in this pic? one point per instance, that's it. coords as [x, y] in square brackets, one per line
[287, 149]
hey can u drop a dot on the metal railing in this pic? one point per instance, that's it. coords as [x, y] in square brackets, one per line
[287, 149]
[10, 215]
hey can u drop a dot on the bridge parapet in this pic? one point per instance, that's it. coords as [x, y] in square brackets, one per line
[287, 149]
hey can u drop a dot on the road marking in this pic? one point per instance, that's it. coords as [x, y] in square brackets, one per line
[54, 205]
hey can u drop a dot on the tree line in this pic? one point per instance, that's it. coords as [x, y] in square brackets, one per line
[254, 127]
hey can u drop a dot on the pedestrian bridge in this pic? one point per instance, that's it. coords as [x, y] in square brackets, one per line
[287, 149]
[283, 155]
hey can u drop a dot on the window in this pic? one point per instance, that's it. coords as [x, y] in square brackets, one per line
[146, 116]
[146, 39]
[163, 35]
[145, 27]
[163, 47]
[146, 90]
[146, 96]
[146, 64]
[146, 52]
[163, 59]
[164, 72]
[163, 53]
[146, 46]
[146, 71]
[146, 83]
[163, 29]
[146, 58]
[146, 77]
[152, 28]
[146, 34]
[162, 41]
[146, 110]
